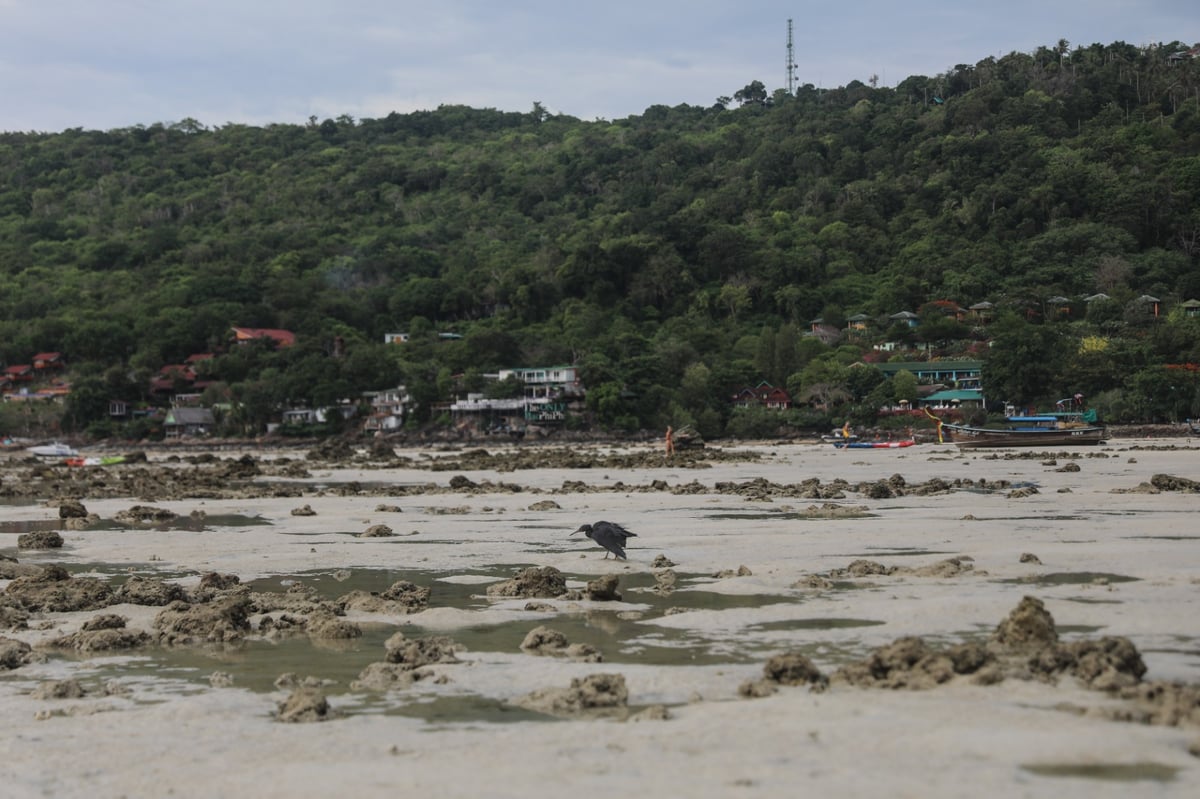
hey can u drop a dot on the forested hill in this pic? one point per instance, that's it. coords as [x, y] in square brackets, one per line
[685, 238]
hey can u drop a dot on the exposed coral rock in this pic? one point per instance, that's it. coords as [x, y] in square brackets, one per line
[139, 590]
[280, 626]
[59, 689]
[40, 539]
[71, 509]
[1167, 482]
[14, 654]
[905, 663]
[594, 695]
[12, 618]
[790, 668]
[416, 652]
[604, 589]
[814, 582]
[304, 510]
[532, 583]
[102, 633]
[793, 668]
[213, 584]
[385, 677]
[543, 640]
[10, 568]
[664, 582]
[862, 568]
[54, 590]
[225, 619]
[144, 514]
[305, 705]
[402, 597]
[1029, 626]
[950, 567]
[328, 627]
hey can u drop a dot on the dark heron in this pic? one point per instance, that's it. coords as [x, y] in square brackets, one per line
[608, 535]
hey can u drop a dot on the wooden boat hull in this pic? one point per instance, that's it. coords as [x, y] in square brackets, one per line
[968, 437]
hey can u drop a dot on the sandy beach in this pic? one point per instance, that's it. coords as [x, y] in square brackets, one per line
[800, 550]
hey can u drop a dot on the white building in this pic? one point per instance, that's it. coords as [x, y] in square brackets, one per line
[389, 408]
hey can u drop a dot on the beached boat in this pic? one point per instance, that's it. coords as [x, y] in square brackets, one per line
[108, 460]
[55, 450]
[1070, 428]
[855, 443]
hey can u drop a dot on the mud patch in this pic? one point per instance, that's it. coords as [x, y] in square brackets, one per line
[444, 711]
[1072, 578]
[827, 511]
[812, 624]
[31, 526]
[1110, 772]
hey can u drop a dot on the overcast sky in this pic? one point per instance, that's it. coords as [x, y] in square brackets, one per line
[104, 64]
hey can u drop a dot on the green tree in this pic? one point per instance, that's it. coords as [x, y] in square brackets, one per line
[1023, 363]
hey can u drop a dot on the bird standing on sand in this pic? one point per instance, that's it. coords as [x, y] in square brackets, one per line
[609, 535]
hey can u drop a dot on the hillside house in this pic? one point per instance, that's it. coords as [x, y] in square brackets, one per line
[858, 323]
[951, 374]
[549, 393]
[546, 381]
[44, 361]
[389, 409]
[20, 373]
[172, 378]
[950, 399]
[763, 395]
[304, 416]
[981, 312]
[485, 413]
[188, 422]
[280, 338]
[825, 333]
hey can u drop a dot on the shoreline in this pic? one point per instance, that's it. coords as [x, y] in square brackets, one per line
[765, 563]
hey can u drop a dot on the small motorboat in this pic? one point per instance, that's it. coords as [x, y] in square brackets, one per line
[54, 450]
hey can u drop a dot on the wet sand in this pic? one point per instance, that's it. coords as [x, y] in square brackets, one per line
[762, 565]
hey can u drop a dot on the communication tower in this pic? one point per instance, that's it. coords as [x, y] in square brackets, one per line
[791, 62]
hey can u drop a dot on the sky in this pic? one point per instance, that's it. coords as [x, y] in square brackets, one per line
[106, 64]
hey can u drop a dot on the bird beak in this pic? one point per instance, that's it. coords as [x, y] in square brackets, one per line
[580, 530]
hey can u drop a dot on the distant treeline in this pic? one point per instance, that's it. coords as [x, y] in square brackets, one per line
[676, 255]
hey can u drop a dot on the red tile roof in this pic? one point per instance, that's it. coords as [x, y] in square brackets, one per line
[284, 338]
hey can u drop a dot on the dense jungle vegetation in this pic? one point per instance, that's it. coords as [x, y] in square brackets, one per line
[675, 256]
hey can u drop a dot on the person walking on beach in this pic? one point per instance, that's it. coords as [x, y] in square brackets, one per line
[670, 441]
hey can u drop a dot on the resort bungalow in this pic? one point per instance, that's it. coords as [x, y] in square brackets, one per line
[186, 422]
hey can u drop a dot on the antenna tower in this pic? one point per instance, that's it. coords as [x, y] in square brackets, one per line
[791, 62]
